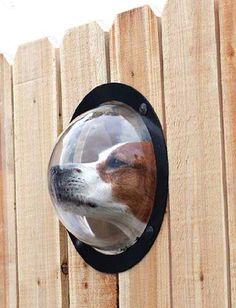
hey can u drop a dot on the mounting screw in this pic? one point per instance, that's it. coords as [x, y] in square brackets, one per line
[78, 243]
[149, 232]
[143, 109]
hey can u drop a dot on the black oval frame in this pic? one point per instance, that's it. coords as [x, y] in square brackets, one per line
[135, 253]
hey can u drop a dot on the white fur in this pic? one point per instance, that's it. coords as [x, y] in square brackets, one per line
[99, 192]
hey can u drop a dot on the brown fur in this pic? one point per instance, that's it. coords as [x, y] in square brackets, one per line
[133, 183]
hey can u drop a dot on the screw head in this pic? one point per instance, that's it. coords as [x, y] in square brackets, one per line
[143, 109]
[78, 243]
[149, 232]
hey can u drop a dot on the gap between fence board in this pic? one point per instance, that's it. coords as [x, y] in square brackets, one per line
[227, 37]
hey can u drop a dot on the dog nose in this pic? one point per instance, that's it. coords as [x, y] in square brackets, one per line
[55, 170]
[61, 170]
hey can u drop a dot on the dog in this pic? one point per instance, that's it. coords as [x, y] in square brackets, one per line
[117, 189]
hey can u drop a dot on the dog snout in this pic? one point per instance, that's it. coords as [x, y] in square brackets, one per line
[65, 181]
[55, 170]
[60, 170]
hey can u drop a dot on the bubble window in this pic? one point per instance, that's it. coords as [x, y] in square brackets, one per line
[103, 176]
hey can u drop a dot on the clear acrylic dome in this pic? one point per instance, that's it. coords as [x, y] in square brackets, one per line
[102, 177]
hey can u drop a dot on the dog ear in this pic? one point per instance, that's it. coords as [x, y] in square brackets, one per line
[148, 151]
[138, 153]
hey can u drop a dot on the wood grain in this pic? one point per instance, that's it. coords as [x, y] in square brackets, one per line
[36, 128]
[135, 59]
[194, 130]
[84, 66]
[185, 64]
[227, 23]
[8, 268]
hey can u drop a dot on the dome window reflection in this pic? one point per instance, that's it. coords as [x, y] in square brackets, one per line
[102, 177]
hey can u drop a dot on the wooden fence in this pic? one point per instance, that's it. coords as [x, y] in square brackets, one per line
[185, 64]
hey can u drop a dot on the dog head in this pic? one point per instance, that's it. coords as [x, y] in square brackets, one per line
[118, 188]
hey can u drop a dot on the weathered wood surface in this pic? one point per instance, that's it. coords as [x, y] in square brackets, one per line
[8, 270]
[184, 63]
[194, 139]
[83, 67]
[227, 23]
[36, 128]
[135, 57]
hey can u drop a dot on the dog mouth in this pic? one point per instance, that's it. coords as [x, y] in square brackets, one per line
[66, 188]
[77, 200]
[86, 203]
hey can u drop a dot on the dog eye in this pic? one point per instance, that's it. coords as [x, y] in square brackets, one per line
[115, 163]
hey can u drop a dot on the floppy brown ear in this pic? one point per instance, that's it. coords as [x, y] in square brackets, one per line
[141, 150]
[145, 150]
[149, 152]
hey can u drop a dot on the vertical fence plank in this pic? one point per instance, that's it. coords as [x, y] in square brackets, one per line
[84, 66]
[135, 55]
[227, 18]
[8, 272]
[36, 128]
[197, 202]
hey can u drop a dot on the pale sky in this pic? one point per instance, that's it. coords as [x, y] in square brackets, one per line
[23, 21]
